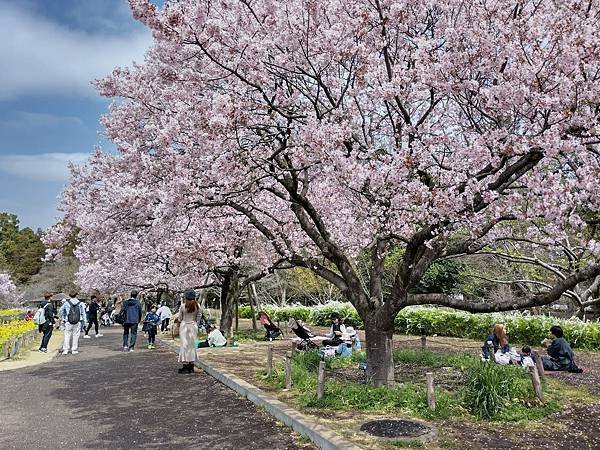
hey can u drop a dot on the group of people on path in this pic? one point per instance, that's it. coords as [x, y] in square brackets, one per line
[72, 317]
[560, 355]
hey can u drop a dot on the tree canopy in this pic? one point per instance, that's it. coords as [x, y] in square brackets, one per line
[317, 130]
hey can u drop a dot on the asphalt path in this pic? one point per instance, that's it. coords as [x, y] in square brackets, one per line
[105, 398]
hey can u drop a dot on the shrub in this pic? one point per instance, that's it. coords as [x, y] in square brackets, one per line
[321, 315]
[14, 329]
[523, 328]
[492, 388]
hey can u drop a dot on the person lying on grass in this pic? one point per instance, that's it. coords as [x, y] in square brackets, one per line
[560, 355]
[498, 339]
[214, 339]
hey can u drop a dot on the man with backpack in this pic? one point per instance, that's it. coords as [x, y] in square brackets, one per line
[44, 318]
[71, 313]
[130, 317]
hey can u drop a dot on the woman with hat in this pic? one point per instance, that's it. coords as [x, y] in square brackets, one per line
[188, 330]
[335, 332]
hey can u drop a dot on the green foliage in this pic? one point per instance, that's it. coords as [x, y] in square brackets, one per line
[492, 392]
[21, 251]
[444, 277]
[523, 328]
[492, 389]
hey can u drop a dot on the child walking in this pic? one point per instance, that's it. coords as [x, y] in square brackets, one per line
[151, 326]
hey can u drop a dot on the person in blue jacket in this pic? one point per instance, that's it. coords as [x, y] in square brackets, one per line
[498, 340]
[151, 326]
[133, 316]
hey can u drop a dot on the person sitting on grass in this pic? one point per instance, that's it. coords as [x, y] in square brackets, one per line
[560, 355]
[335, 332]
[349, 343]
[151, 326]
[527, 357]
[214, 339]
[498, 339]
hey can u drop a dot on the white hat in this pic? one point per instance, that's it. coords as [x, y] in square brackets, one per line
[350, 331]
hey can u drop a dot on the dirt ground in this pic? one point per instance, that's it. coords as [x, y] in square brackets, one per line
[576, 427]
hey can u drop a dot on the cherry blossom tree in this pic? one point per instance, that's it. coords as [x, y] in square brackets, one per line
[333, 127]
[7, 290]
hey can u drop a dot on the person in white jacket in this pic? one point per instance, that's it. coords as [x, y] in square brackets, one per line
[72, 322]
[164, 313]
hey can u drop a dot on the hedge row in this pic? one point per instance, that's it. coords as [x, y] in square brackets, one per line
[523, 328]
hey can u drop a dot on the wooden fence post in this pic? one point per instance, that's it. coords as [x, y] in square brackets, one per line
[423, 341]
[540, 366]
[269, 360]
[535, 381]
[430, 391]
[293, 348]
[288, 371]
[13, 347]
[321, 380]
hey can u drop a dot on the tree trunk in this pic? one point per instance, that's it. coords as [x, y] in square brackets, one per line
[380, 363]
[252, 310]
[230, 292]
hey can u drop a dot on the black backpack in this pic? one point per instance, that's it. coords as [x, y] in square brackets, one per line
[74, 315]
[122, 316]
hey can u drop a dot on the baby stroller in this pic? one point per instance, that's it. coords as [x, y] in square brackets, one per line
[271, 330]
[105, 319]
[304, 334]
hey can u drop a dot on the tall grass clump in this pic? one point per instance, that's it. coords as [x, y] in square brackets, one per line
[492, 389]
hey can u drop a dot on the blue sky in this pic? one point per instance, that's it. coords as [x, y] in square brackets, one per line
[49, 113]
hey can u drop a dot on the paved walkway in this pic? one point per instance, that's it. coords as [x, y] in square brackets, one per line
[105, 398]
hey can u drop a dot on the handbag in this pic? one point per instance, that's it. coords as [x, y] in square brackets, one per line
[175, 329]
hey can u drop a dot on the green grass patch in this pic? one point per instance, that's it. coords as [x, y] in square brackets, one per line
[249, 335]
[491, 392]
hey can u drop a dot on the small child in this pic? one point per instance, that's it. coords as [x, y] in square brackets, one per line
[527, 357]
[151, 326]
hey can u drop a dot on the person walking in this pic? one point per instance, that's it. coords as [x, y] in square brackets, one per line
[164, 313]
[133, 316]
[188, 331]
[151, 326]
[48, 326]
[93, 317]
[71, 314]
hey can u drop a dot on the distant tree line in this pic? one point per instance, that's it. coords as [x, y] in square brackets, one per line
[21, 249]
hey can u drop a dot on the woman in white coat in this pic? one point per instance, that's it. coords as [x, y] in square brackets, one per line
[188, 331]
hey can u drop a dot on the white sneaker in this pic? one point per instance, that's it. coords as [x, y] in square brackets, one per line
[87, 337]
[99, 335]
[65, 352]
[125, 349]
[74, 352]
[130, 350]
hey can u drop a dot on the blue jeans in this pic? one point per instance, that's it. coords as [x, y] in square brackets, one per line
[126, 328]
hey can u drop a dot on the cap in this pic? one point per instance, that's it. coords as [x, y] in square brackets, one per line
[189, 294]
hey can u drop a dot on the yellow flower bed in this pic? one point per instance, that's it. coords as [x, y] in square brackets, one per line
[14, 329]
[9, 312]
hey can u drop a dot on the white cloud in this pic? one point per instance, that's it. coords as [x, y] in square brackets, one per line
[42, 167]
[40, 56]
[25, 119]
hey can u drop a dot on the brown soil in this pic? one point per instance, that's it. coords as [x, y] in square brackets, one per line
[576, 427]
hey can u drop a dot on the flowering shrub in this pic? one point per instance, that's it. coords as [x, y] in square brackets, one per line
[523, 328]
[14, 329]
[9, 312]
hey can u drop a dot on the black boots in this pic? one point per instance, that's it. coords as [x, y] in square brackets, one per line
[187, 368]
